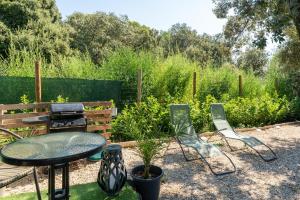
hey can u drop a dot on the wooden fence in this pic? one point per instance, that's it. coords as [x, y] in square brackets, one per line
[99, 115]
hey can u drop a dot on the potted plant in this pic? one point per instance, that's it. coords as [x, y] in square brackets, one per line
[146, 129]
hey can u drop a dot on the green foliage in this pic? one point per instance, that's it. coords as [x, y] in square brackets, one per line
[151, 109]
[5, 35]
[245, 112]
[144, 123]
[288, 53]
[21, 63]
[61, 99]
[173, 77]
[295, 108]
[217, 81]
[109, 34]
[16, 14]
[203, 49]
[123, 65]
[259, 18]
[259, 111]
[24, 99]
[253, 59]
[33, 25]
[224, 80]
[200, 114]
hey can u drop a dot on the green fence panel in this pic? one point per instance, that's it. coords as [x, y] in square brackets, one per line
[12, 88]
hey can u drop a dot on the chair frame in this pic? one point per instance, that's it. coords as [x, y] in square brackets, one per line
[201, 156]
[204, 159]
[237, 134]
[259, 154]
[35, 176]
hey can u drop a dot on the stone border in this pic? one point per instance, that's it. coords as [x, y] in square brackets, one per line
[131, 144]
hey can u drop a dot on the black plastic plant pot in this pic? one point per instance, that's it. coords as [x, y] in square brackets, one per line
[147, 188]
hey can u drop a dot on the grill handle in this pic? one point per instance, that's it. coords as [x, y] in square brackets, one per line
[68, 112]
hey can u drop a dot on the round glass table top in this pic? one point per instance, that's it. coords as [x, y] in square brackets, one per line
[53, 148]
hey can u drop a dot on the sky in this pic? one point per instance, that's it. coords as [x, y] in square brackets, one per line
[159, 14]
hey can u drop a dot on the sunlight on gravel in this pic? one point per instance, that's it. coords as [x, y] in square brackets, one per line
[254, 178]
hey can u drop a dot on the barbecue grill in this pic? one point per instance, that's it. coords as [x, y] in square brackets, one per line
[67, 117]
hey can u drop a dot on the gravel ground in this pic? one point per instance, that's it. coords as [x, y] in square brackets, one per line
[254, 178]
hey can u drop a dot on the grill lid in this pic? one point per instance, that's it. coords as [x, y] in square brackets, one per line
[66, 108]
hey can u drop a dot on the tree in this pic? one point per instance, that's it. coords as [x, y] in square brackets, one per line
[260, 17]
[140, 37]
[34, 25]
[5, 34]
[204, 49]
[253, 59]
[288, 52]
[101, 33]
[16, 14]
[178, 38]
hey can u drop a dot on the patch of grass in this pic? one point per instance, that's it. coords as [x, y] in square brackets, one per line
[89, 191]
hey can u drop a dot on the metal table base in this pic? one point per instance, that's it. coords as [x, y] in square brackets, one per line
[62, 193]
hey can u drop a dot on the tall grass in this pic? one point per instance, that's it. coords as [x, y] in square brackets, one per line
[225, 80]
[173, 77]
[123, 65]
[162, 77]
[21, 63]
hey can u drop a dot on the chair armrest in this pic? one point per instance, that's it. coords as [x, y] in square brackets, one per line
[10, 133]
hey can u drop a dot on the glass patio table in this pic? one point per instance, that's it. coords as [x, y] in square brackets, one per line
[55, 150]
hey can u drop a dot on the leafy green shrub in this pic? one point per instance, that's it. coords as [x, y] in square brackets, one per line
[146, 129]
[60, 99]
[200, 114]
[277, 81]
[295, 108]
[248, 112]
[150, 109]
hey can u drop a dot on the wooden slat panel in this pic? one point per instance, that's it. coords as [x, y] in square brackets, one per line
[24, 106]
[7, 126]
[15, 120]
[98, 112]
[36, 132]
[99, 119]
[25, 115]
[22, 115]
[128, 144]
[46, 105]
[20, 124]
[98, 127]
[12, 121]
[98, 103]
[106, 135]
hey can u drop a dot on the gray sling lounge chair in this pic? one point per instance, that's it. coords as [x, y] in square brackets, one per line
[186, 135]
[11, 173]
[226, 131]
